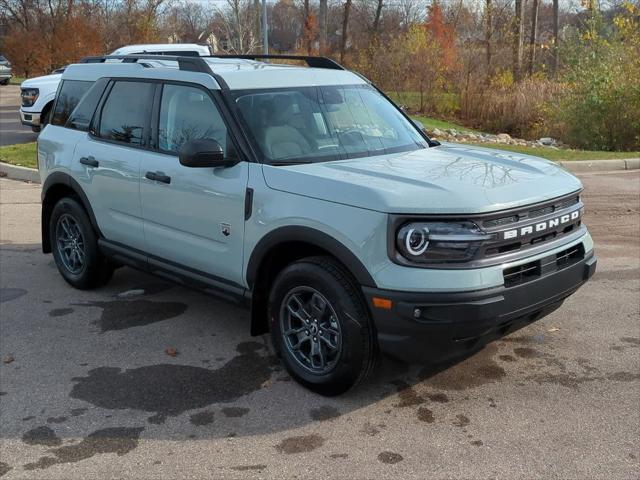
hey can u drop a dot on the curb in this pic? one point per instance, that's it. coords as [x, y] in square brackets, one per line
[600, 165]
[19, 173]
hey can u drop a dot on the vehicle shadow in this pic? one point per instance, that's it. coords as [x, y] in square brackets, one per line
[143, 358]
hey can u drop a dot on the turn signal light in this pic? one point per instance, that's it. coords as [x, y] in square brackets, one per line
[383, 303]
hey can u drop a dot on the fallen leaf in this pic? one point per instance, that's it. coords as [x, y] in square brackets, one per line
[553, 329]
[172, 352]
[8, 358]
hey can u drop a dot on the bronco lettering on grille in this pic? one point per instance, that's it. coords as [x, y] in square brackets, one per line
[541, 226]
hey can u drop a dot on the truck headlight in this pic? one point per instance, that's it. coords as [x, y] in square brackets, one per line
[29, 96]
[440, 242]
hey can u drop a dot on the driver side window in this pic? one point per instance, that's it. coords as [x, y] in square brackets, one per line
[188, 113]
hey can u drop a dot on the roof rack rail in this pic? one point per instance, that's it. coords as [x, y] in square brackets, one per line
[191, 64]
[188, 64]
[314, 62]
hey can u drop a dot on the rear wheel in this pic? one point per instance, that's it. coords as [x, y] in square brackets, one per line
[75, 246]
[320, 326]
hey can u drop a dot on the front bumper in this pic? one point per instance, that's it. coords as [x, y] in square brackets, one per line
[434, 327]
[31, 119]
[5, 76]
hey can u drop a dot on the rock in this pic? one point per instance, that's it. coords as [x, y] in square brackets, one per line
[436, 132]
[548, 141]
[472, 136]
[503, 137]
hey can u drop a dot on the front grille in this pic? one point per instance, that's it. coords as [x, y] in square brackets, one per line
[530, 271]
[531, 226]
[521, 273]
[532, 212]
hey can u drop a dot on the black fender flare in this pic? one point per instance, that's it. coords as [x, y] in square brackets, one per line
[53, 180]
[296, 233]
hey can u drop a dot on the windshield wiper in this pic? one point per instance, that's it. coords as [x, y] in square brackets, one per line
[279, 163]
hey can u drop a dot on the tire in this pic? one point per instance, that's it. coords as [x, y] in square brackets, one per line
[325, 370]
[4, 82]
[75, 246]
[45, 119]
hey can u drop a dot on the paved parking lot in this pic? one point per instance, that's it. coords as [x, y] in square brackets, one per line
[87, 389]
[11, 130]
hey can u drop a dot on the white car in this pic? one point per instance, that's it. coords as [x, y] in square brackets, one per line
[38, 93]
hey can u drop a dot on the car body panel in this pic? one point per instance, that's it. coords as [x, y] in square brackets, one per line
[113, 188]
[449, 179]
[197, 220]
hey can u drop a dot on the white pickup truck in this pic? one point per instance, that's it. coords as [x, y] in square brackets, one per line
[38, 93]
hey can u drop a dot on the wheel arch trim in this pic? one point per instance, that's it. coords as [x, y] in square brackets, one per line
[313, 236]
[53, 180]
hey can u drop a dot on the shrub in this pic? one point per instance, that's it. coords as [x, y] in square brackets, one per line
[600, 105]
[517, 109]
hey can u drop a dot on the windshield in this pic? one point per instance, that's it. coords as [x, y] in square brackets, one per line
[319, 124]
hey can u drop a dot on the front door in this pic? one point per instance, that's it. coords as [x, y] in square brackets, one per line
[193, 217]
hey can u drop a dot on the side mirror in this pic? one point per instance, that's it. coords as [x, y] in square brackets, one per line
[204, 153]
[419, 124]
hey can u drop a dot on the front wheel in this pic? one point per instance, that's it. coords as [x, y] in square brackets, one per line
[320, 326]
[75, 246]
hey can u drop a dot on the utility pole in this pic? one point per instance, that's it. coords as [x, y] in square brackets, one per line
[265, 29]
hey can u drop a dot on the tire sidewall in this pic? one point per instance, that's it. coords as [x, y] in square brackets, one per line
[71, 207]
[350, 317]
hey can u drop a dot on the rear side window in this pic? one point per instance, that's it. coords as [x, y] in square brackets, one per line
[125, 113]
[70, 94]
[80, 118]
[188, 113]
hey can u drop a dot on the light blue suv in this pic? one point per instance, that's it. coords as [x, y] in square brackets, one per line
[305, 194]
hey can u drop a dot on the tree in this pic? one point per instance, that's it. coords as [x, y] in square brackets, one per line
[322, 20]
[345, 29]
[488, 29]
[376, 19]
[556, 38]
[533, 38]
[518, 39]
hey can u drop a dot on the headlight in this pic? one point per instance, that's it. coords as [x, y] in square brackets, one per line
[29, 96]
[440, 242]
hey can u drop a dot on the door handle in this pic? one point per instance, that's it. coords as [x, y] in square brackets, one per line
[89, 161]
[158, 177]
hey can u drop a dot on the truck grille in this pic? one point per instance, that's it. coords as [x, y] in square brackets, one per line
[533, 226]
[530, 271]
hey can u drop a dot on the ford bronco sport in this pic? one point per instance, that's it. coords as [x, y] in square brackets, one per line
[304, 193]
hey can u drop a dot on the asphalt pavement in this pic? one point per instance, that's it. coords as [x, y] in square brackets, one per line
[89, 390]
[11, 130]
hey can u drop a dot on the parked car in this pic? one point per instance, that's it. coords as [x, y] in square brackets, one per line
[38, 93]
[5, 70]
[307, 195]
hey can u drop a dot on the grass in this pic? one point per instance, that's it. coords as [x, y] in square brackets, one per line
[432, 123]
[22, 154]
[16, 80]
[554, 154]
[559, 153]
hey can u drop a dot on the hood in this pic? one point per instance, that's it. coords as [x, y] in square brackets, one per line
[37, 82]
[450, 178]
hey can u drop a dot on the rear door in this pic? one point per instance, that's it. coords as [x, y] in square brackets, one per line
[110, 158]
[193, 217]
